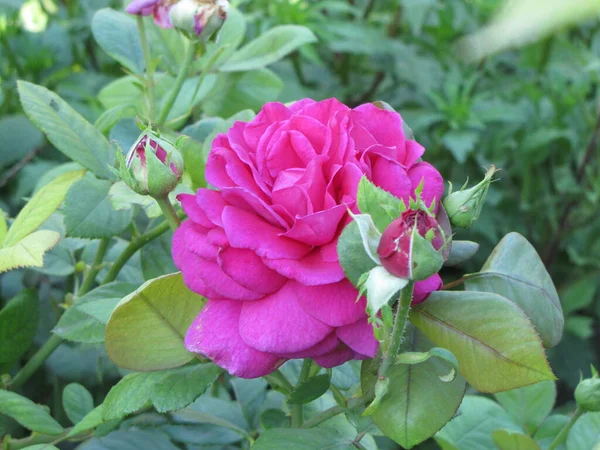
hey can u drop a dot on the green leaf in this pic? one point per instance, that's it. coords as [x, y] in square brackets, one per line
[130, 439]
[585, 434]
[412, 358]
[109, 118]
[515, 271]
[405, 413]
[130, 394]
[352, 254]
[270, 47]
[167, 308]
[41, 206]
[473, 426]
[183, 386]
[3, 226]
[298, 439]
[512, 440]
[41, 447]
[19, 137]
[382, 206]
[231, 35]
[28, 414]
[117, 34]
[235, 92]
[77, 402]
[99, 303]
[461, 144]
[529, 405]
[18, 325]
[494, 341]
[89, 213]
[28, 252]
[210, 410]
[89, 422]
[461, 252]
[274, 418]
[549, 429]
[66, 129]
[579, 293]
[75, 325]
[310, 390]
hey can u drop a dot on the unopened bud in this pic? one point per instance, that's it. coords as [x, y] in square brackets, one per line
[200, 17]
[587, 394]
[411, 246]
[153, 166]
[464, 206]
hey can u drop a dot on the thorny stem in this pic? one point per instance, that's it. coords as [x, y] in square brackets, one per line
[169, 212]
[88, 279]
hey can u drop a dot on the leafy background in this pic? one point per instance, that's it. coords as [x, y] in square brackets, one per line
[532, 112]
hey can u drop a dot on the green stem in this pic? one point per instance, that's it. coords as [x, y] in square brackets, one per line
[336, 410]
[169, 212]
[400, 321]
[188, 57]
[149, 68]
[88, 279]
[278, 379]
[560, 438]
[298, 409]
[35, 362]
[132, 248]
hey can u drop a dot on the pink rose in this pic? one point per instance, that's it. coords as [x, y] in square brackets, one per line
[262, 248]
[157, 8]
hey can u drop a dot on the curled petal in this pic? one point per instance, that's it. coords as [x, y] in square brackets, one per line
[359, 337]
[424, 288]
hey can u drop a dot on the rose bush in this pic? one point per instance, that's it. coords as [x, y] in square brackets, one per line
[262, 248]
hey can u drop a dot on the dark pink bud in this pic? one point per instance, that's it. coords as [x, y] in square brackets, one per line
[397, 245]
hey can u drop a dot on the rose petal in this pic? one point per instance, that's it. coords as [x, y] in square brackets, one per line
[325, 346]
[297, 107]
[278, 324]
[433, 183]
[359, 337]
[223, 284]
[310, 270]
[247, 230]
[143, 7]
[424, 288]
[390, 176]
[319, 228]
[244, 199]
[414, 151]
[215, 334]
[212, 203]
[335, 358]
[385, 126]
[248, 270]
[334, 304]
[190, 206]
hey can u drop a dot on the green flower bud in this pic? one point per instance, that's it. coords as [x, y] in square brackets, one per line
[464, 206]
[587, 394]
[200, 17]
[153, 166]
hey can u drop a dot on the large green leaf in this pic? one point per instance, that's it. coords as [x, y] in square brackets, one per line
[146, 330]
[515, 271]
[77, 326]
[181, 387]
[270, 47]
[28, 252]
[405, 413]
[18, 325]
[99, 303]
[77, 402]
[130, 439]
[298, 439]
[529, 405]
[41, 206]
[19, 137]
[473, 426]
[28, 414]
[130, 394]
[512, 440]
[585, 434]
[493, 340]
[117, 34]
[310, 389]
[66, 129]
[89, 212]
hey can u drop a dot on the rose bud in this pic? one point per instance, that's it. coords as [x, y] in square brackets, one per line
[587, 393]
[201, 17]
[464, 206]
[157, 8]
[153, 166]
[410, 247]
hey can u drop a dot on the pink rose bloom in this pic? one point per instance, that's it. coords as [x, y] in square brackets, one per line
[158, 8]
[262, 249]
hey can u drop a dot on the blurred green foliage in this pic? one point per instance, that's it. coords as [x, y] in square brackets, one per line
[531, 111]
